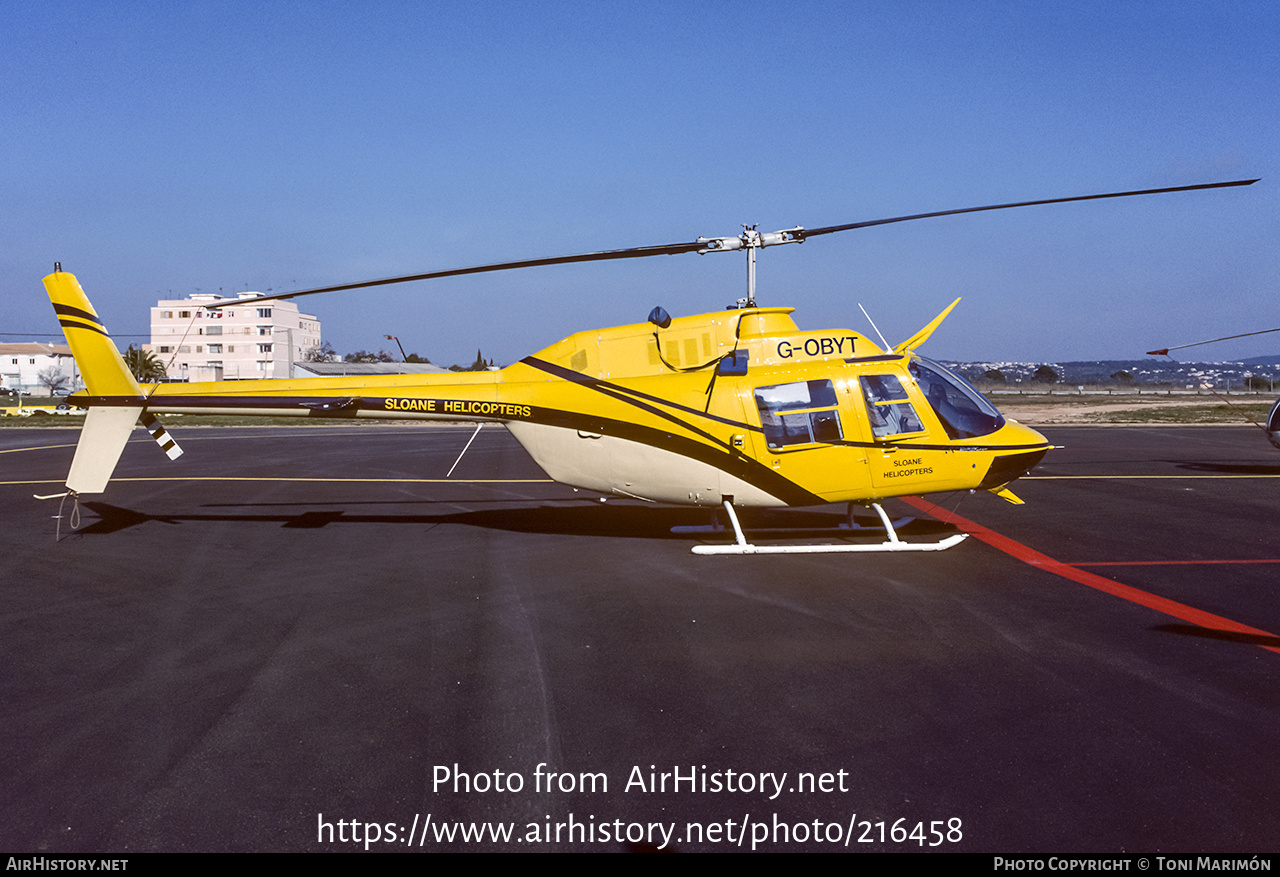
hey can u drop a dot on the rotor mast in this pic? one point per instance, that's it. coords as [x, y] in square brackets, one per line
[751, 240]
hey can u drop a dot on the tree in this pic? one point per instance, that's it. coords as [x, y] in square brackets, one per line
[1045, 375]
[1122, 377]
[321, 353]
[478, 366]
[366, 356]
[413, 357]
[995, 376]
[53, 379]
[144, 365]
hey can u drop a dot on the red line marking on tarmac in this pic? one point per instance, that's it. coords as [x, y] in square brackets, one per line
[1161, 562]
[1125, 592]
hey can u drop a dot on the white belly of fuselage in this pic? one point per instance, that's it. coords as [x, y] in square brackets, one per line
[625, 468]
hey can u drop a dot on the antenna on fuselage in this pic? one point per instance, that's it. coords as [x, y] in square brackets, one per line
[874, 326]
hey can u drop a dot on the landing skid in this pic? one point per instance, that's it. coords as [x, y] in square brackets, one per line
[742, 546]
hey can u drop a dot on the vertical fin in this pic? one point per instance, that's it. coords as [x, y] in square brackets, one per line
[104, 370]
[119, 398]
[102, 440]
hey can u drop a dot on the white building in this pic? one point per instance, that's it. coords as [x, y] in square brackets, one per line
[234, 343]
[21, 365]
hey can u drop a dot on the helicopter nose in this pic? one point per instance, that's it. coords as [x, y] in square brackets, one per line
[1025, 449]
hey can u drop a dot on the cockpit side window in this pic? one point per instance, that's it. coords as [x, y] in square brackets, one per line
[800, 413]
[962, 409]
[888, 407]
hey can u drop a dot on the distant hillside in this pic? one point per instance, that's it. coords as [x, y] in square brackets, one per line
[1144, 371]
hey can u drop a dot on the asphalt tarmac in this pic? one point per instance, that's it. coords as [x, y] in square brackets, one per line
[306, 639]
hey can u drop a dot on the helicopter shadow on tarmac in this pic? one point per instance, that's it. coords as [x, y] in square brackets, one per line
[624, 519]
[1229, 468]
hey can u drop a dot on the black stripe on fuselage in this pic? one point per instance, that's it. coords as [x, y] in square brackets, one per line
[720, 456]
[622, 393]
[895, 446]
[78, 313]
[73, 324]
[616, 389]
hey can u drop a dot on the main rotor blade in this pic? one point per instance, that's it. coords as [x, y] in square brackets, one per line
[1164, 351]
[701, 245]
[600, 256]
[812, 232]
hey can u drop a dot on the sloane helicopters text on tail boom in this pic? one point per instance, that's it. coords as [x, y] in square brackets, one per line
[738, 407]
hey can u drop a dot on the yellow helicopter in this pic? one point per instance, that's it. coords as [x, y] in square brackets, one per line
[1272, 425]
[735, 408]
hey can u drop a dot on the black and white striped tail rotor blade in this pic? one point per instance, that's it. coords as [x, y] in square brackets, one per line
[161, 435]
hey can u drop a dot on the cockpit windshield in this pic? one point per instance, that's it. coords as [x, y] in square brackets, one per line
[962, 409]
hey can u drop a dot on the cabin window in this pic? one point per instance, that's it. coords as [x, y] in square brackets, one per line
[888, 407]
[962, 409]
[799, 413]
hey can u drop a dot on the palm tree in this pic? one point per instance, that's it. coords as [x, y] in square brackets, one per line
[144, 365]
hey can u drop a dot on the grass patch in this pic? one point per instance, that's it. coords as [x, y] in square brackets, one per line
[1182, 414]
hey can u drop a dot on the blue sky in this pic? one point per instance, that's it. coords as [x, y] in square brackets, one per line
[157, 149]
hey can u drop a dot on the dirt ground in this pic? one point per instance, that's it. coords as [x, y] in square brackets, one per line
[1034, 410]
